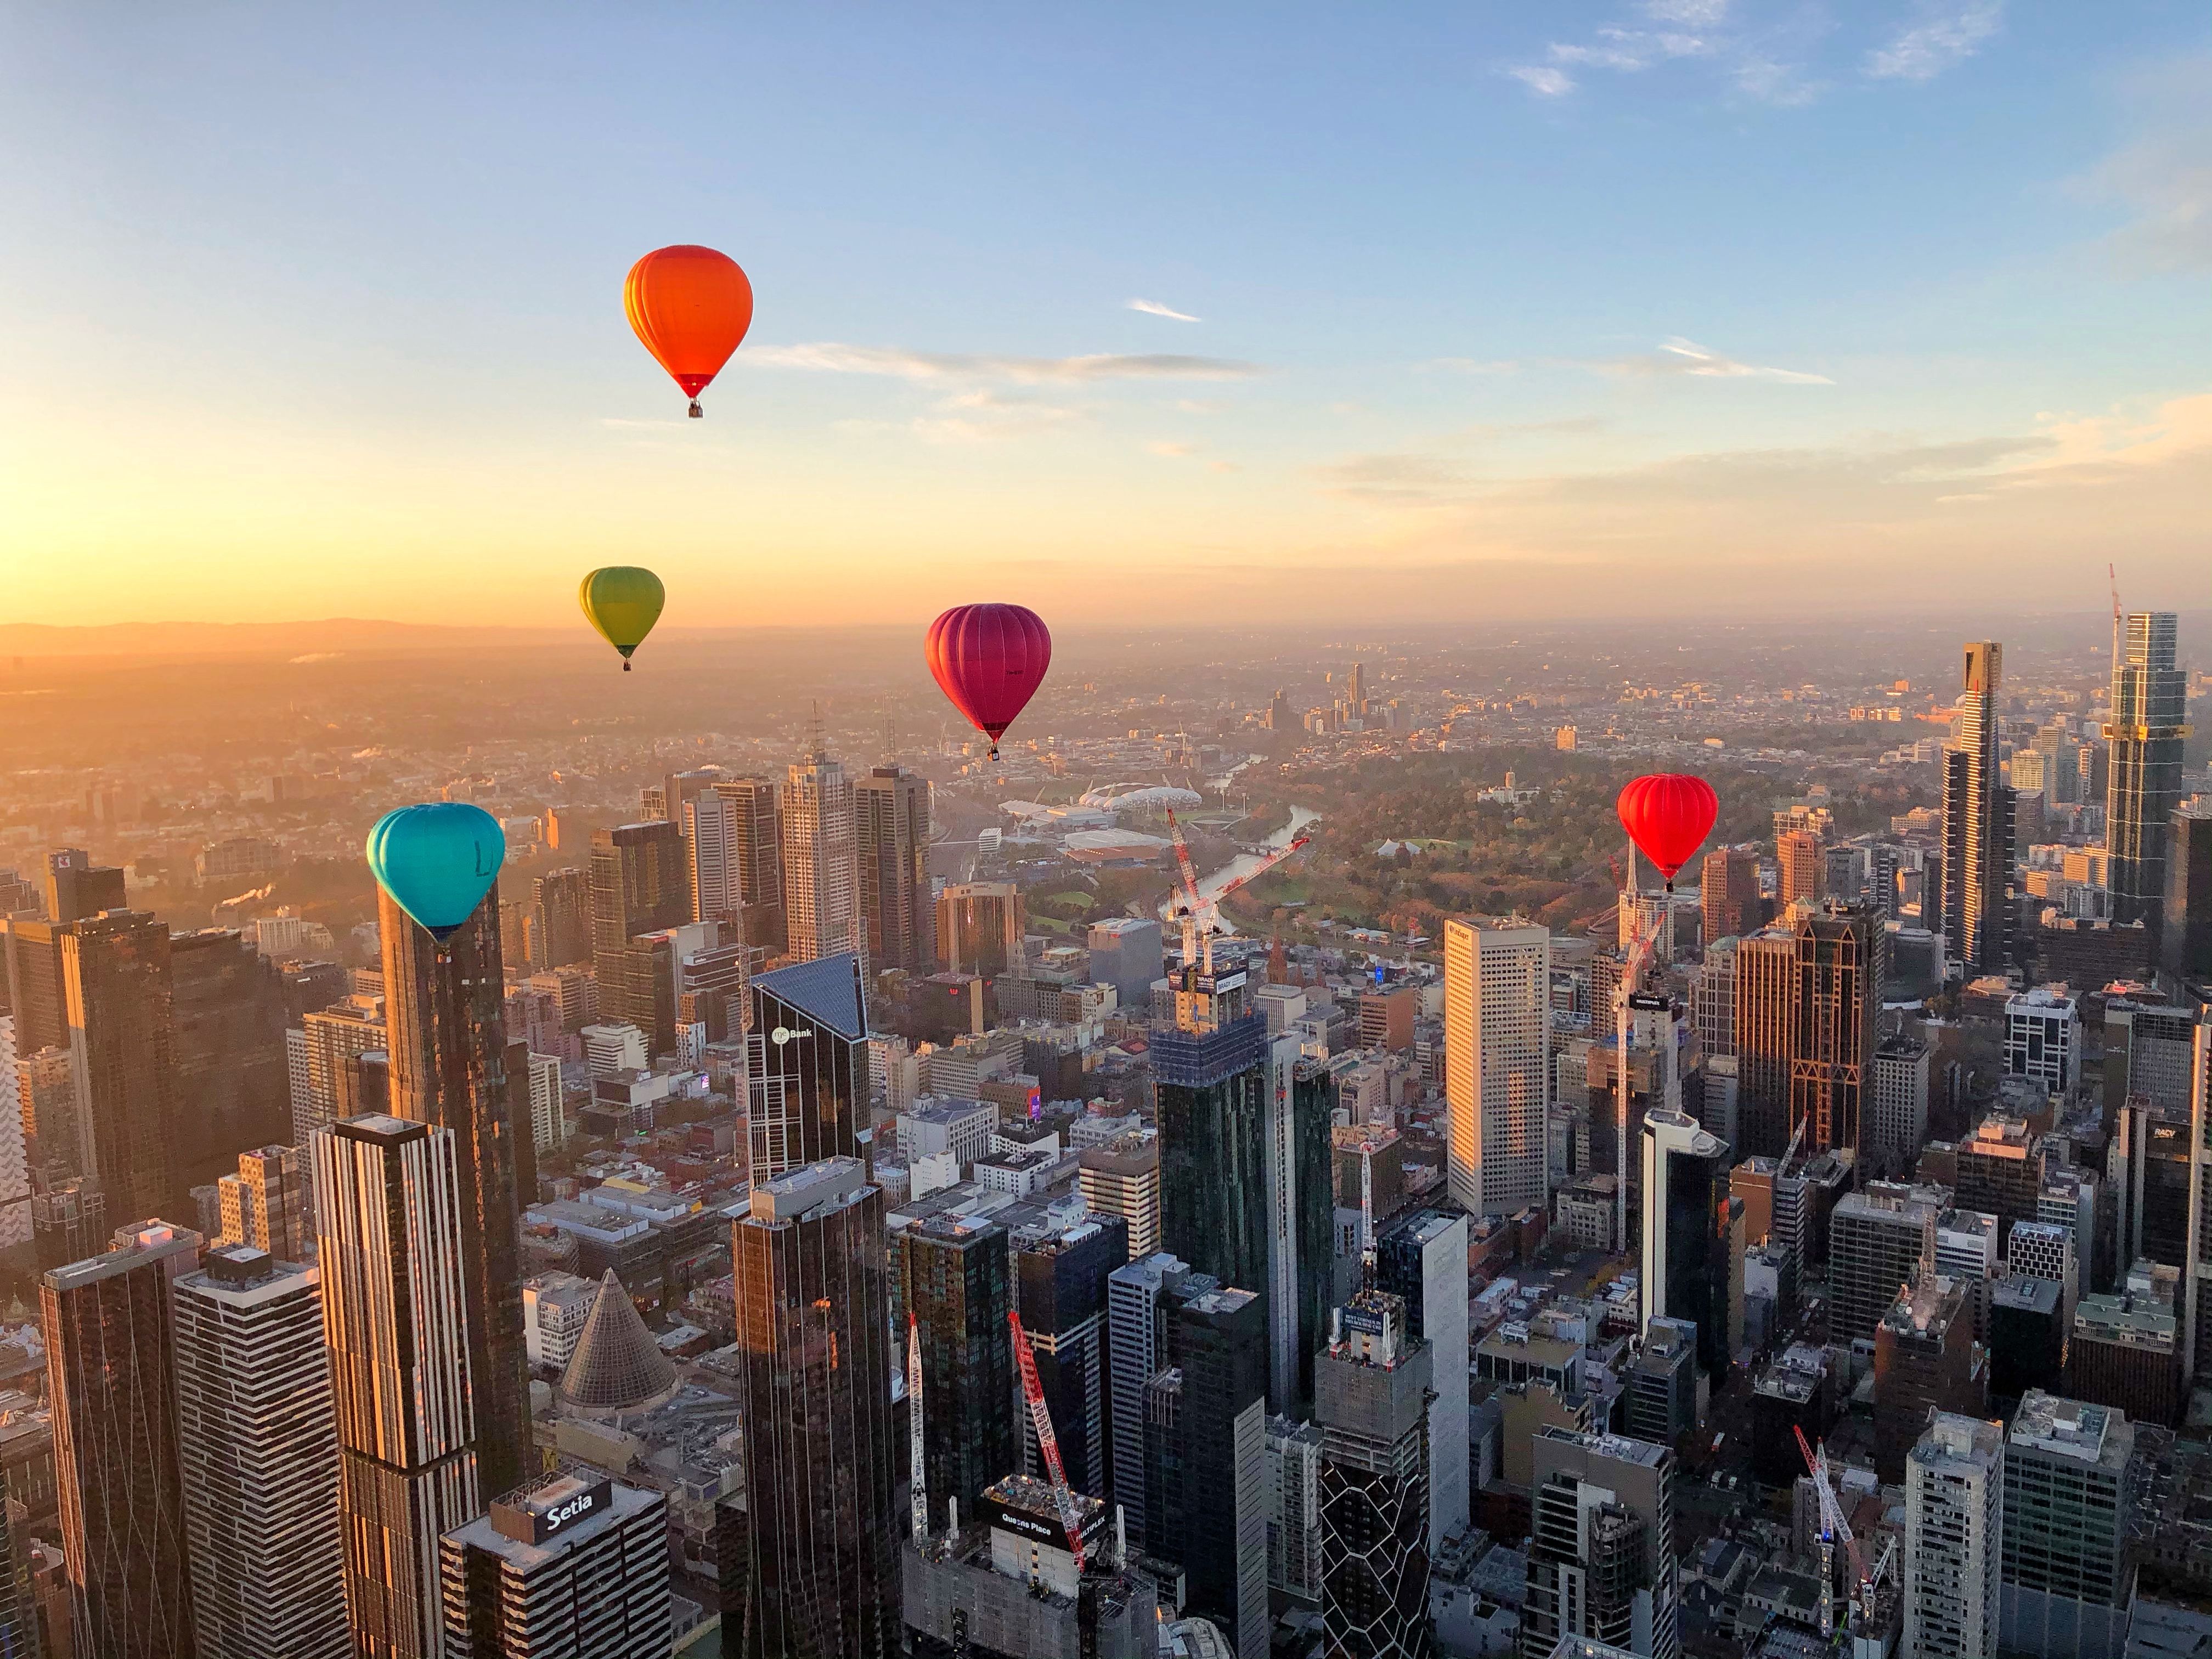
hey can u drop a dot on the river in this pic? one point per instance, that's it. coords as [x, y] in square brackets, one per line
[1244, 863]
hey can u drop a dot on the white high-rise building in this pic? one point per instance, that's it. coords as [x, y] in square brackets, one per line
[15, 1163]
[821, 877]
[549, 1125]
[1498, 1029]
[574, 1566]
[1423, 1260]
[1134, 1351]
[2042, 1038]
[1294, 1509]
[1896, 1125]
[1954, 1540]
[258, 1445]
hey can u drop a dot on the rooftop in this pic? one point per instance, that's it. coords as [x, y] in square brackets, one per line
[2072, 1429]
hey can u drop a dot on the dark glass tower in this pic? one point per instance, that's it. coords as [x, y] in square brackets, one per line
[1313, 1102]
[807, 1064]
[641, 882]
[2185, 941]
[2143, 786]
[1977, 821]
[116, 975]
[1061, 1276]
[898, 913]
[959, 1288]
[112, 1369]
[1836, 995]
[812, 1340]
[1212, 1114]
[450, 1064]
[1686, 1260]
[232, 1085]
[1206, 1449]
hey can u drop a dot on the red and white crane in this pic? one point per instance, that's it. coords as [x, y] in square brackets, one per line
[1201, 914]
[1834, 1526]
[914, 1427]
[1047, 1443]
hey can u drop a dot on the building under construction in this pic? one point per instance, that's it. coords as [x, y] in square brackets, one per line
[1006, 1585]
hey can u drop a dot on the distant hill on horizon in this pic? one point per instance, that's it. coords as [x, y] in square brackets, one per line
[328, 633]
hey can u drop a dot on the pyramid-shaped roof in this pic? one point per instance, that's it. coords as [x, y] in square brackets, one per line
[617, 1367]
[827, 989]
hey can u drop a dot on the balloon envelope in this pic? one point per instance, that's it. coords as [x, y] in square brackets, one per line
[1668, 815]
[691, 306]
[989, 659]
[623, 601]
[437, 861]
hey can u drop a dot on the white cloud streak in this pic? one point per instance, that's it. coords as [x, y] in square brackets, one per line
[1154, 308]
[896, 362]
[1679, 356]
[1547, 83]
[1948, 36]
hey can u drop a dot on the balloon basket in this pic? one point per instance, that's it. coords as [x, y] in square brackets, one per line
[696, 412]
[625, 664]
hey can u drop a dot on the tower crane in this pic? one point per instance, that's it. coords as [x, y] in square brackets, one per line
[1201, 916]
[1639, 954]
[2112, 575]
[1047, 1443]
[1835, 1527]
[914, 1427]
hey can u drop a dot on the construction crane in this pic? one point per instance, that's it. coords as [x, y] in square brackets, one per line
[1833, 1528]
[1790, 1150]
[914, 1427]
[2119, 625]
[1201, 916]
[1632, 969]
[1048, 1442]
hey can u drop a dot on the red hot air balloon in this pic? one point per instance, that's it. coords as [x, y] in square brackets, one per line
[1668, 815]
[989, 659]
[690, 307]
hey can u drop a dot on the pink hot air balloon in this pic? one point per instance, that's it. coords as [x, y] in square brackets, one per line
[989, 659]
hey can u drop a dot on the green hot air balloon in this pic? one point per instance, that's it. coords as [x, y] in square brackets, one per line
[623, 602]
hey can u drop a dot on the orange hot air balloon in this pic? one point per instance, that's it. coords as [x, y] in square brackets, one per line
[690, 305]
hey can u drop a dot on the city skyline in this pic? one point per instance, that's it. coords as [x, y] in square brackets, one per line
[1908, 287]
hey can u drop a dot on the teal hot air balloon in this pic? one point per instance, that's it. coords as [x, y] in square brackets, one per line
[437, 861]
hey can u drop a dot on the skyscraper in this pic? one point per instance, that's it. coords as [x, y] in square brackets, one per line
[14, 1150]
[1212, 1077]
[2149, 698]
[806, 1064]
[1602, 1556]
[1800, 865]
[1422, 1259]
[560, 919]
[1498, 1028]
[1137, 1300]
[958, 1286]
[111, 1374]
[1371, 1403]
[1061, 1274]
[1727, 892]
[1766, 979]
[1835, 1001]
[737, 859]
[77, 888]
[641, 882]
[395, 1319]
[1687, 1268]
[1216, 1525]
[2185, 933]
[257, 1443]
[1977, 821]
[571, 1567]
[228, 1012]
[980, 926]
[1303, 1219]
[332, 1037]
[2070, 1492]
[812, 1316]
[267, 1203]
[451, 1064]
[1122, 1178]
[890, 813]
[821, 902]
[1953, 1539]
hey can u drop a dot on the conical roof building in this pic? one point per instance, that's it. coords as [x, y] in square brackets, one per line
[617, 1367]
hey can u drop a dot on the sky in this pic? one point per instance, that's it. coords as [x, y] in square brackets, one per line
[1130, 313]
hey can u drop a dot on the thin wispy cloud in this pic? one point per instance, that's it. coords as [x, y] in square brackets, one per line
[1172, 451]
[2165, 174]
[1946, 35]
[1154, 308]
[1538, 78]
[1696, 13]
[898, 363]
[1686, 357]
[1471, 366]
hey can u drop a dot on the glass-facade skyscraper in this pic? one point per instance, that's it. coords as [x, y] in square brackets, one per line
[2143, 780]
[1976, 820]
